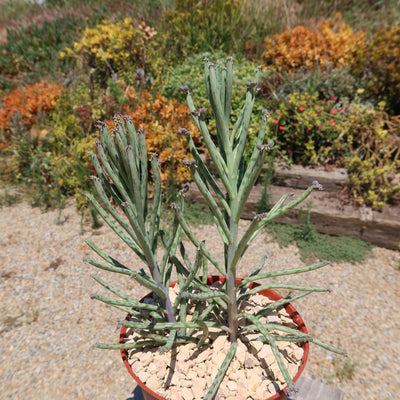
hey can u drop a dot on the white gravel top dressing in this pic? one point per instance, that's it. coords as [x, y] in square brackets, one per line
[48, 323]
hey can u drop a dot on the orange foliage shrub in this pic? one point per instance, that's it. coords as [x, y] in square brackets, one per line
[160, 120]
[331, 43]
[29, 101]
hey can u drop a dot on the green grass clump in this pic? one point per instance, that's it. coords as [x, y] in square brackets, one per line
[195, 213]
[316, 246]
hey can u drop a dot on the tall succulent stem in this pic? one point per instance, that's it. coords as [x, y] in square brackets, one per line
[122, 168]
[227, 159]
[231, 282]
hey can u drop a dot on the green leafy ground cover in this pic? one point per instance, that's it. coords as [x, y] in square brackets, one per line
[316, 246]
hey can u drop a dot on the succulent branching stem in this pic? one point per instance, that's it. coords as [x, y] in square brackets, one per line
[121, 180]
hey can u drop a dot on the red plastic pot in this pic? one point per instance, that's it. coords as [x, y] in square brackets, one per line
[148, 394]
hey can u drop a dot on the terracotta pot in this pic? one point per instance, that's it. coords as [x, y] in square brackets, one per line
[148, 394]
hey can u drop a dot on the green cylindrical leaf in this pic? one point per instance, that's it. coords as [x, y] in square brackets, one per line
[274, 349]
[282, 286]
[283, 272]
[195, 241]
[212, 391]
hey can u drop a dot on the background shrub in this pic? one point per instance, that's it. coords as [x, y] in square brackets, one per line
[331, 43]
[191, 73]
[28, 102]
[305, 127]
[382, 73]
[160, 119]
[32, 53]
[328, 83]
[112, 47]
[199, 26]
[370, 145]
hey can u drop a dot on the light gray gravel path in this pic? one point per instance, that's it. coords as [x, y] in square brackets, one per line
[48, 323]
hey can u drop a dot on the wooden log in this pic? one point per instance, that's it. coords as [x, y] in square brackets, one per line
[329, 215]
[299, 177]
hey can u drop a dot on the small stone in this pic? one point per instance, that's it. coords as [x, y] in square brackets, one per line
[298, 354]
[183, 367]
[250, 361]
[262, 390]
[274, 371]
[174, 393]
[219, 343]
[266, 356]
[134, 356]
[203, 356]
[186, 393]
[218, 359]
[199, 386]
[232, 374]
[240, 355]
[257, 345]
[235, 364]
[252, 373]
[197, 392]
[177, 377]
[232, 385]
[161, 373]
[260, 300]
[152, 368]
[273, 318]
[143, 376]
[154, 383]
[186, 383]
[289, 323]
[242, 390]
[221, 395]
[200, 371]
[253, 382]
[249, 337]
[292, 369]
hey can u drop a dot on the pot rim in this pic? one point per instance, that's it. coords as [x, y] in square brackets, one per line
[271, 294]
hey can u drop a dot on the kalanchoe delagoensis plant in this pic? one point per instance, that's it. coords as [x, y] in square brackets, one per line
[122, 181]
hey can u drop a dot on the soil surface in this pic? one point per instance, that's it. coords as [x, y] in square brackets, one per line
[48, 323]
[186, 372]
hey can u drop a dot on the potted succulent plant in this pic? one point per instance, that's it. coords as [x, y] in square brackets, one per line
[198, 310]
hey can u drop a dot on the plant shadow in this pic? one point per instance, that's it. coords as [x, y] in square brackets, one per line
[136, 394]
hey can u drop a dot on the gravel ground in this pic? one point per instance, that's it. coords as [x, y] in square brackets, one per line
[48, 323]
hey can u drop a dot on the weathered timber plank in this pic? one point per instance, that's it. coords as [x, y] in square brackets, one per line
[299, 177]
[329, 215]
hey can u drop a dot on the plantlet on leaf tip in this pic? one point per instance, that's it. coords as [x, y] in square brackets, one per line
[122, 171]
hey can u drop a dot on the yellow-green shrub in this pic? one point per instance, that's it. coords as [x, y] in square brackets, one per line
[369, 142]
[73, 169]
[113, 45]
[331, 43]
[198, 26]
[383, 67]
